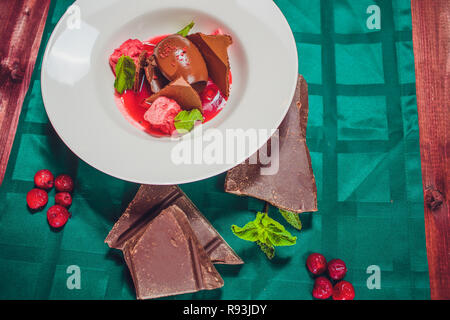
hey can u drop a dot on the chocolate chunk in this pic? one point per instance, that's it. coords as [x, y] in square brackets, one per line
[293, 187]
[180, 91]
[177, 56]
[142, 63]
[154, 77]
[166, 258]
[149, 202]
[214, 51]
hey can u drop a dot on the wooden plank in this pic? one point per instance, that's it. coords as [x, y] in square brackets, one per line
[431, 36]
[21, 28]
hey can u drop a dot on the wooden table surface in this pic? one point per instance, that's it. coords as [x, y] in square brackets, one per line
[431, 37]
[21, 28]
[25, 20]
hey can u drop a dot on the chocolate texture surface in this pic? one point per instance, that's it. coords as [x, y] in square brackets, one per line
[149, 202]
[166, 258]
[293, 187]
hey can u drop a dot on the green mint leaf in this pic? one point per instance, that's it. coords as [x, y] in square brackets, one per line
[125, 72]
[185, 120]
[266, 232]
[276, 233]
[185, 31]
[292, 218]
[249, 232]
[281, 240]
[267, 249]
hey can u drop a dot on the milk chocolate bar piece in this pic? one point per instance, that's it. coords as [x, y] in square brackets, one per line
[166, 258]
[154, 77]
[180, 91]
[214, 49]
[293, 187]
[149, 202]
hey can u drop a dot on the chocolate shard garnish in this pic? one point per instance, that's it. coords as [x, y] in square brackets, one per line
[182, 92]
[166, 258]
[214, 49]
[177, 56]
[154, 77]
[293, 187]
[149, 202]
[142, 62]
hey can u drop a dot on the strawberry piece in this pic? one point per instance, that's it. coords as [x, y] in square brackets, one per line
[63, 199]
[337, 269]
[37, 199]
[43, 179]
[343, 291]
[57, 216]
[64, 183]
[316, 263]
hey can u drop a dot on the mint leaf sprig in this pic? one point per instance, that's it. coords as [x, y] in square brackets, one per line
[292, 218]
[125, 73]
[266, 232]
[185, 120]
[185, 31]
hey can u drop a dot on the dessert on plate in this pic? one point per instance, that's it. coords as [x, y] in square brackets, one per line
[170, 83]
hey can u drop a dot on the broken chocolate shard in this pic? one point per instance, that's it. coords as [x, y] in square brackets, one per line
[149, 202]
[167, 259]
[154, 77]
[177, 56]
[214, 49]
[293, 187]
[138, 75]
[182, 92]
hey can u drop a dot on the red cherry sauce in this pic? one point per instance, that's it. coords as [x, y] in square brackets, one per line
[132, 104]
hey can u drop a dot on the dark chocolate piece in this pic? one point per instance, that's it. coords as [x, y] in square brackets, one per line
[154, 77]
[166, 258]
[214, 49]
[177, 56]
[149, 201]
[182, 92]
[142, 62]
[293, 188]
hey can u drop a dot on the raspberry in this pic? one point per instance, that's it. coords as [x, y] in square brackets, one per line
[343, 291]
[63, 199]
[57, 216]
[316, 263]
[43, 179]
[323, 289]
[37, 199]
[64, 183]
[337, 269]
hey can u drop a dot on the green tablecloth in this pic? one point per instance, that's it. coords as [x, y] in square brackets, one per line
[364, 141]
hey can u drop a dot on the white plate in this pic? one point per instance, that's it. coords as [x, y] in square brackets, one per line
[77, 82]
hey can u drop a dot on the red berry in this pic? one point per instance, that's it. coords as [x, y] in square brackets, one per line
[343, 291]
[63, 199]
[64, 183]
[57, 216]
[316, 263]
[323, 289]
[37, 199]
[337, 269]
[44, 179]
